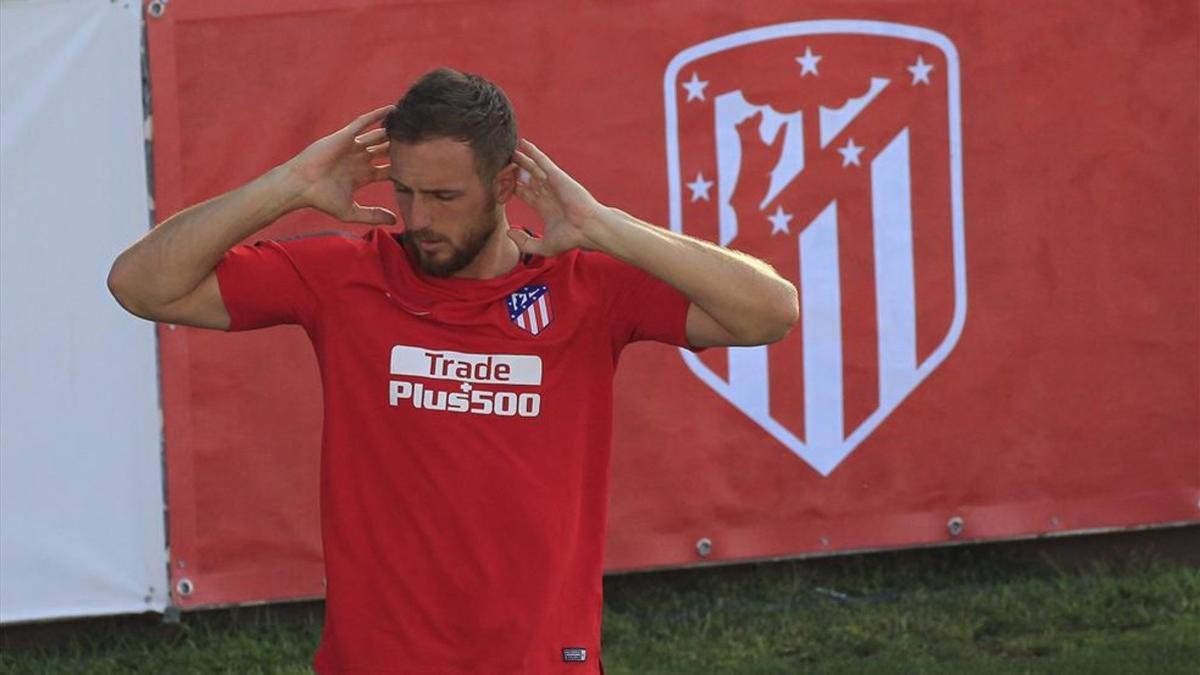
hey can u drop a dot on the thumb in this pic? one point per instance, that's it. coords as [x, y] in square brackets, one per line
[526, 243]
[375, 215]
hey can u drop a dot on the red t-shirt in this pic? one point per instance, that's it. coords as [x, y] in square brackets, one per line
[465, 450]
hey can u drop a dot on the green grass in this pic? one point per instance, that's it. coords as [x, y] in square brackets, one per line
[977, 610]
[947, 611]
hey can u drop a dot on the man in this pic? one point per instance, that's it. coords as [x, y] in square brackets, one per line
[466, 367]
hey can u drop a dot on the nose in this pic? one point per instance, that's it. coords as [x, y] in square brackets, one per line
[421, 216]
[415, 211]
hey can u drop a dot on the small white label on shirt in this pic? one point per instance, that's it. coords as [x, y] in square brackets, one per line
[574, 654]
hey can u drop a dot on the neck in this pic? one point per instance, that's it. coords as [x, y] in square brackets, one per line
[497, 257]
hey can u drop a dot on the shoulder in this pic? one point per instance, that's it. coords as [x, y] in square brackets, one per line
[327, 247]
[320, 257]
[595, 262]
[604, 269]
[589, 269]
[331, 241]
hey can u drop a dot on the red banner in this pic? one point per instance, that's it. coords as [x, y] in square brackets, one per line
[991, 216]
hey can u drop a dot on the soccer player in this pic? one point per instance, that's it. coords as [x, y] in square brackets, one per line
[466, 367]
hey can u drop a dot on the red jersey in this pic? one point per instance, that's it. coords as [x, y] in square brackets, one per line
[465, 448]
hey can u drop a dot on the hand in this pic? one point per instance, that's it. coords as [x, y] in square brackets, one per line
[328, 172]
[568, 209]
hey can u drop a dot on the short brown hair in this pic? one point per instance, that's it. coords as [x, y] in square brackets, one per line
[446, 103]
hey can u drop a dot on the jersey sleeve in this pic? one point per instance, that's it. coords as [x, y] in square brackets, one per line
[640, 306]
[279, 281]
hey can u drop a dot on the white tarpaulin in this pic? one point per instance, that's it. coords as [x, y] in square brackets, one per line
[81, 521]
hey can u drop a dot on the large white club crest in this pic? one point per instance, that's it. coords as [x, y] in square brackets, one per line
[834, 149]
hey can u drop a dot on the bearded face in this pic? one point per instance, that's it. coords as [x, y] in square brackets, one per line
[450, 213]
[441, 256]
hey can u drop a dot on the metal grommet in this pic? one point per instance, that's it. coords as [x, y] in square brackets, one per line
[185, 587]
[955, 526]
[156, 8]
[704, 547]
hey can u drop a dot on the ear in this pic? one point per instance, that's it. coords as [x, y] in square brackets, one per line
[504, 185]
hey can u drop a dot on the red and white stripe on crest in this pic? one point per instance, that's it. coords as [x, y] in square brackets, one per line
[536, 317]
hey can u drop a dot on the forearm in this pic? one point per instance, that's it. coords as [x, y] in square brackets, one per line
[171, 260]
[745, 295]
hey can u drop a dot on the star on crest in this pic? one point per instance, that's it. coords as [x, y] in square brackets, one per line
[808, 62]
[695, 87]
[920, 71]
[779, 221]
[700, 187]
[850, 153]
[465, 387]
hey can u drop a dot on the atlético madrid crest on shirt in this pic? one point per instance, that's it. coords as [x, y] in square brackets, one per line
[831, 149]
[530, 308]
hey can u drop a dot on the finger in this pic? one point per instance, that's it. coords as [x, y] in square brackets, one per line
[374, 215]
[379, 173]
[371, 137]
[526, 243]
[528, 194]
[529, 168]
[538, 156]
[365, 120]
[377, 149]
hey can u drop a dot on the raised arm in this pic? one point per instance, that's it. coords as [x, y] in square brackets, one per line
[736, 299]
[167, 275]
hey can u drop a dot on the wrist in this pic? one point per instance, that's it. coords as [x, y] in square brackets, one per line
[600, 232]
[287, 187]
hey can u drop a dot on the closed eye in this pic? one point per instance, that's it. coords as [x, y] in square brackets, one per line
[440, 195]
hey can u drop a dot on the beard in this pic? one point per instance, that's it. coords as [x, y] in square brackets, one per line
[478, 235]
